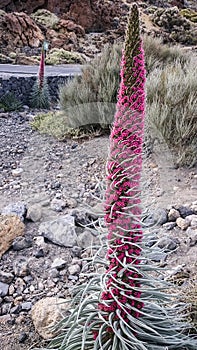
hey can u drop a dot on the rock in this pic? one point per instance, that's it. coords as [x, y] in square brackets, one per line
[182, 223]
[82, 218]
[18, 209]
[192, 220]
[6, 277]
[46, 313]
[58, 204]
[74, 269]
[167, 243]
[22, 337]
[85, 239]
[39, 253]
[60, 231]
[58, 263]
[17, 172]
[34, 213]
[192, 236]
[185, 211]
[26, 306]
[169, 225]
[158, 257]
[71, 202]
[173, 214]
[18, 30]
[3, 289]
[21, 243]
[21, 267]
[10, 228]
[76, 251]
[158, 217]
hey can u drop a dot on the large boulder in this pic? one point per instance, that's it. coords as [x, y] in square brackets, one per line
[90, 14]
[19, 30]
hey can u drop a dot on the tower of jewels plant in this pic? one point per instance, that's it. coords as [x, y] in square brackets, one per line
[39, 97]
[126, 307]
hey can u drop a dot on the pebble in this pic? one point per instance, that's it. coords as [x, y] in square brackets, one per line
[20, 267]
[17, 172]
[3, 289]
[58, 263]
[169, 225]
[21, 243]
[173, 214]
[74, 269]
[167, 243]
[22, 337]
[18, 209]
[6, 277]
[182, 223]
[185, 211]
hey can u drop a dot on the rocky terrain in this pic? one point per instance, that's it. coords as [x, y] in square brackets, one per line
[48, 191]
[85, 27]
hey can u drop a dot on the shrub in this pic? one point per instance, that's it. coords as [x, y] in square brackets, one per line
[61, 56]
[45, 18]
[9, 102]
[172, 109]
[90, 99]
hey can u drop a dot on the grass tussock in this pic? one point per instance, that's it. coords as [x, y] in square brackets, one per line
[172, 109]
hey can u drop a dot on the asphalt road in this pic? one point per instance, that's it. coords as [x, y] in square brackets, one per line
[68, 69]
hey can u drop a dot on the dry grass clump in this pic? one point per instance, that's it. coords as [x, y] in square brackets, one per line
[172, 109]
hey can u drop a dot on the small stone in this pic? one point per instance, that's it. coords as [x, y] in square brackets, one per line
[158, 257]
[21, 267]
[6, 277]
[173, 214]
[167, 243]
[22, 337]
[192, 220]
[55, 185]
[18, 209]
[185, 211]
[21, 243]
[182, 223]
[39, 253]
[32, 289]
[85, 239]
[76, 251]
[39, 241]
[19, 286]
[58, 204]
[169, 225]
[11, 289]
[158, 217]
[26, 306]
[58, 263]
[34, 213]
[71, 202]
[54, 273]
[3, 289]
[15, 309]
[17, 172]
[192, 236]
[74, 269]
